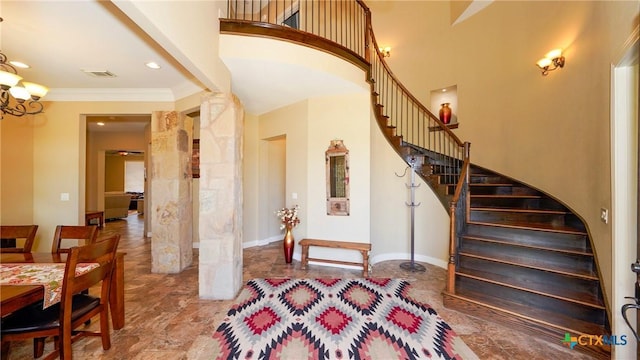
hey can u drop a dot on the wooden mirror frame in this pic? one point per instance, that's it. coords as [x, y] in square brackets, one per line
[337, 169]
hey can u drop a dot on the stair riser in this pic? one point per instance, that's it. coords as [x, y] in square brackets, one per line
[466, 287]
[536, 280]
[503, 216]
[501, 190]
[515, 203]
[578, 264]
[487, 179]
[531, 238]
[528, 326]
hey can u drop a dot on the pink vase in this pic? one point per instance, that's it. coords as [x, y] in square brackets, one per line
[445, 113]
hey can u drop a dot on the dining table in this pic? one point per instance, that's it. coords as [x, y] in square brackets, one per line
[20, 294]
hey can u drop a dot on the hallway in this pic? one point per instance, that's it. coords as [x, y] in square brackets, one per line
[165, 319]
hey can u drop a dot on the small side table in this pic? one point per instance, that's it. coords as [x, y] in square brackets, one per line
[89, 215]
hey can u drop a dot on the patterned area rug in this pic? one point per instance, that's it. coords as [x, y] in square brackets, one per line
[334, 319]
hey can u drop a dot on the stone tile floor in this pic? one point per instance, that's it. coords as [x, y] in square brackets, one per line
[165, 319]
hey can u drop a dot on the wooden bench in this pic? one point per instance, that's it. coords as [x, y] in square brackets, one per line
[364, 248]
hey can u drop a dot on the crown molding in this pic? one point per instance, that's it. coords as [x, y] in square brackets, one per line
[187, 88]
[110, 94]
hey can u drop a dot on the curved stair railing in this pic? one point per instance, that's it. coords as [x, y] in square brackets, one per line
[414, 131]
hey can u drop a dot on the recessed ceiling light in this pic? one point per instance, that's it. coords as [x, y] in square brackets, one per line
[100, 123]
[19, 64]
[444, 90]
[152, 65]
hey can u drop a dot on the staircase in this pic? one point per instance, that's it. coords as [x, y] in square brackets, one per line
[517, 255]
[523, 258]
[526, 260]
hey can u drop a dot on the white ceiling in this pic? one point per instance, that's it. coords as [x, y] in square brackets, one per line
[60, 39]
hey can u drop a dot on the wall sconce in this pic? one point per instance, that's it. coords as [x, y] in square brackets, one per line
[553, 57]
[386, 51]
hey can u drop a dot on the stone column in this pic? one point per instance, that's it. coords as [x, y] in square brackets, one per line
[220, 264]
[171, 212]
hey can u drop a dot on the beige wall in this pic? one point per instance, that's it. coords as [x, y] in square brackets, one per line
[251, 207]
[115, 170]
[16, 170]
[551, 132]
[97, 144]
[346, 118]
[391, 217]
[291, 122]
[275, 185]
[59, 158]
[378, 211]
[113, 174]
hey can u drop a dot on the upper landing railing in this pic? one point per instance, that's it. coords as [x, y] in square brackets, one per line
[343, 28]
[341, 22]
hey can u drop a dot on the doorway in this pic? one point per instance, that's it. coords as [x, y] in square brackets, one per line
[276, 182]
[121, 137]
[625, 156]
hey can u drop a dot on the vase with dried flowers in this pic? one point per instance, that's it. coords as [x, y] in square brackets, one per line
[288, 220]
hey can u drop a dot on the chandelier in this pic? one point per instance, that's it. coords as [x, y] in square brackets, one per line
[25, 95]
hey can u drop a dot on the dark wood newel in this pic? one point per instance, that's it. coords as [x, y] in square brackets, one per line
[451, 266]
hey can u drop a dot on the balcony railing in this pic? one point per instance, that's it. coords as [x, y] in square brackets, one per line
[341, 22]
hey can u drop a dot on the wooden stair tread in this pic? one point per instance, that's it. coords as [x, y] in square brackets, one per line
[533, 226]
[492, 184]
[548, 319]
[518, 210]
[558, 247]
[533, 264]
[542, 288]
[506, 196]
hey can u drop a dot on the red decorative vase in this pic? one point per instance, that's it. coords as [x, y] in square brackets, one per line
[288, 245]
[445, 113]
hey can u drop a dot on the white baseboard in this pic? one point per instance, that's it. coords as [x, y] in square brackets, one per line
[263, 242]
[372, 260]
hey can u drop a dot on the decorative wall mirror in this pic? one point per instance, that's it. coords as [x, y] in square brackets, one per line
[337, 163]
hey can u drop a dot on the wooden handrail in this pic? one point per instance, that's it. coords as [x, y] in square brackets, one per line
[409, 94]
[461, 189]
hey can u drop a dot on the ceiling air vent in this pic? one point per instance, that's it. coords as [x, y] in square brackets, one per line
[100, 73]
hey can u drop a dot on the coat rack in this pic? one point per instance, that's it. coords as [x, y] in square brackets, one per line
[412, 265]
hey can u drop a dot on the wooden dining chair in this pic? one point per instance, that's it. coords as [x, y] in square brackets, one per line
[17, 233]
[88, 234]
[62, 320]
